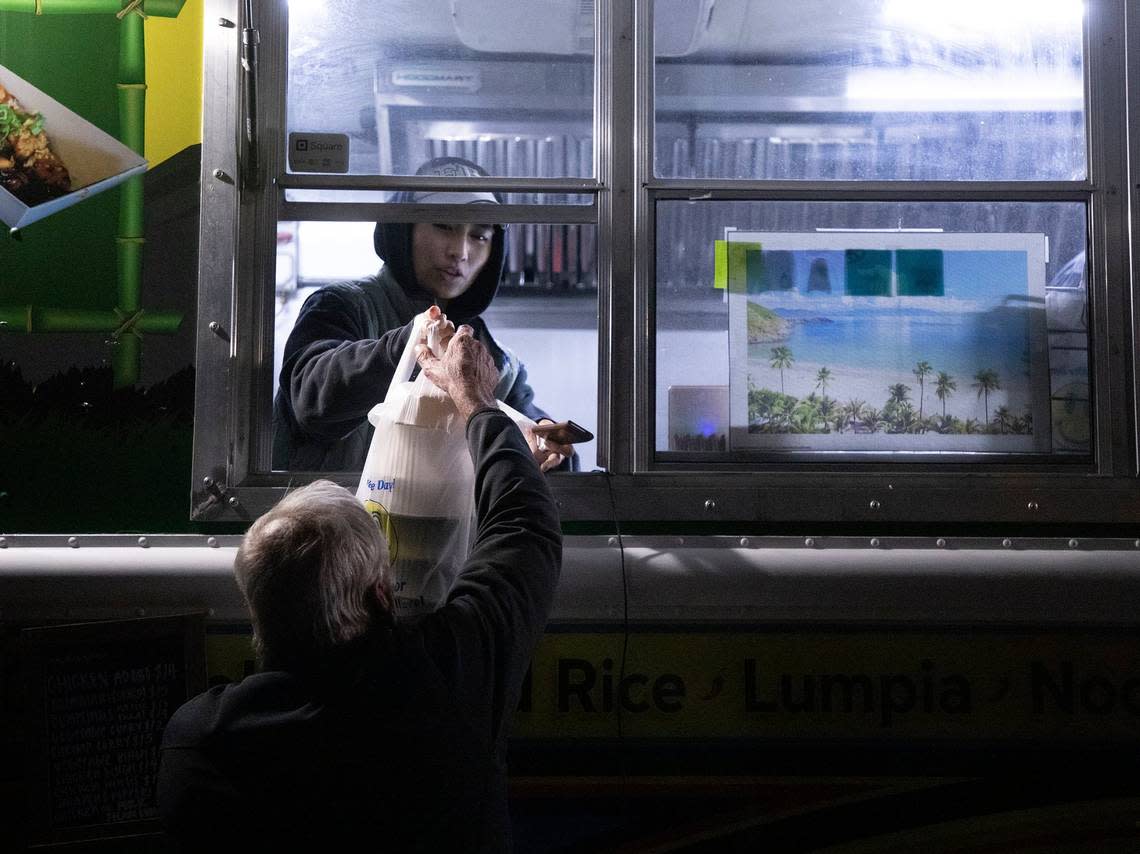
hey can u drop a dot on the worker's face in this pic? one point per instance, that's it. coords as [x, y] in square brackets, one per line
[446, 258]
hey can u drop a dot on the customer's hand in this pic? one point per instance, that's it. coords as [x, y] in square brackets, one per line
[465, 371]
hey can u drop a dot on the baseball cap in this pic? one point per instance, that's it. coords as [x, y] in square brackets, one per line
[452, 168]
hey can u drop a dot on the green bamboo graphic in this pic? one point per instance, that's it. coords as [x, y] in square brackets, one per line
[132, 112]
[159, 8]
[30, 318]
[128, 321]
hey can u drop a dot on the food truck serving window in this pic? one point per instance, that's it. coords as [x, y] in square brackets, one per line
[830, 262]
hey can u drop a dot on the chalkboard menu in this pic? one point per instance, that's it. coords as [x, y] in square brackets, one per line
[98, 696]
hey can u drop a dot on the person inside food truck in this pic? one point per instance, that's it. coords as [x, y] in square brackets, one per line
[343, 350]
[359, 728]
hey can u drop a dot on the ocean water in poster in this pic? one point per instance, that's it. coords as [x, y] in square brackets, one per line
[888, 341]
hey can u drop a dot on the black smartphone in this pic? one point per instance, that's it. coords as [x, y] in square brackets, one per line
[564, 432]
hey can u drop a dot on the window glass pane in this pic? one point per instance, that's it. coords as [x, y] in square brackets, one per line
[870, 90]
[544, 311]
[957, 328]
[381, 86]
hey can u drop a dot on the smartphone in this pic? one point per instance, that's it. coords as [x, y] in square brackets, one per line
[564, 432]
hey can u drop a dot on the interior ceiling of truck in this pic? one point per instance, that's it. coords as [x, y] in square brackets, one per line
[712, 27]
[700, 29]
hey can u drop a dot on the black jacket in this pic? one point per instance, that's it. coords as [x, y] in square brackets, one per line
[400, 742]
[343, 350]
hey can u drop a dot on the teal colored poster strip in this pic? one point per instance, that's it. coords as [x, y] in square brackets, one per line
[868, 272]
[920, 272]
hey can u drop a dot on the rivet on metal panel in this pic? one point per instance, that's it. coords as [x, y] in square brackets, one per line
[1136, 544]
[809, 542]
[210, 612]
[73, 542]
[710, 505]
[4, 543]
[940, 542]
[1032, 505]
[207, 481]
[212, 542]
[875, 542]
[745, 542]
[223, 176]
[215, 327]
[227, 23]
[1006, 543]
[144, 542]
[612, 541]
[233, 501]
[875, 505]
[1074, 543]
[680, 541]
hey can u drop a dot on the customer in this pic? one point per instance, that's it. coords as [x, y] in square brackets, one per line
[358, 729]
[343, 350]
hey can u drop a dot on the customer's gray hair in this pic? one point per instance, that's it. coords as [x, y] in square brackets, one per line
[308, 570]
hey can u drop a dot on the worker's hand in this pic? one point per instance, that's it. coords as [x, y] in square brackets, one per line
[547, 453]
[465, 371]
[438, 329]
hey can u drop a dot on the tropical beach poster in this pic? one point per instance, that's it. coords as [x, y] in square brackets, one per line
[898, 341]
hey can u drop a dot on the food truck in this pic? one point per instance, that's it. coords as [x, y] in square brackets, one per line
[845, 291]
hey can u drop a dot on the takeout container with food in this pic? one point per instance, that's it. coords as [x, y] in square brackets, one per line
[95, 160]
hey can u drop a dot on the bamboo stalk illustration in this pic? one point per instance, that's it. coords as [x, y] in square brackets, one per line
[31, 318]
[127, 321]
[158, 8]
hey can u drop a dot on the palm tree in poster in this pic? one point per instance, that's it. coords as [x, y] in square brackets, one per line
[1004, 419]
[872, 420]
[921, 371]
[853, 411]
[944, 386]
[781, 358]
[899, 393]
[897, 411]
[985, 381]
[822, 380]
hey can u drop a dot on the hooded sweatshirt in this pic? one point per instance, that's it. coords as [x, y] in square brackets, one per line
[343, 350]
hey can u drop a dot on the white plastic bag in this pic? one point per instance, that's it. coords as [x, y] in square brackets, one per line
[418, 483]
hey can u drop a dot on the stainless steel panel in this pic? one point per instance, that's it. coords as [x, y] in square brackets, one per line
[214, 382]
[51, 581]
[671, 582]
[719, 580]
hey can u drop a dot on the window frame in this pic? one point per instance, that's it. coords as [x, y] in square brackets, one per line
[231, 477]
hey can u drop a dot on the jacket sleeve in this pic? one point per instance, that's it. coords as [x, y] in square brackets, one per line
[484, 635]
[521, 397]
[333, 371]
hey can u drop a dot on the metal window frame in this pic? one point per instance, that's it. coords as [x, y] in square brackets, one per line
[231, 476]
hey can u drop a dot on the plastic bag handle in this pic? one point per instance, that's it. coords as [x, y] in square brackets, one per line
[407, 362]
